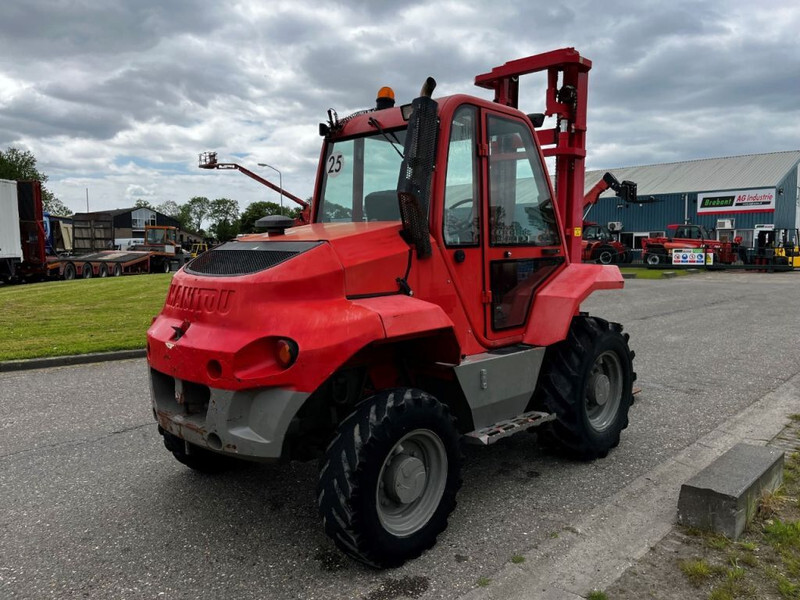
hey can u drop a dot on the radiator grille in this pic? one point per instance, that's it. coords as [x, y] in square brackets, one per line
[244, 258]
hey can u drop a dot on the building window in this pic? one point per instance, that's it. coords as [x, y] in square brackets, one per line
[141, 217]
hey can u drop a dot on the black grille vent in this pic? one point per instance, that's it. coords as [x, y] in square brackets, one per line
[243, 258]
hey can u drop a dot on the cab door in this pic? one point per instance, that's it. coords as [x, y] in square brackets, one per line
[521, 244]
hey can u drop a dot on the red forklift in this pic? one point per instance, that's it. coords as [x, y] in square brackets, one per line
[433, 299]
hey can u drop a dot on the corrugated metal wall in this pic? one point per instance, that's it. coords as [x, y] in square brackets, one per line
[670, 208]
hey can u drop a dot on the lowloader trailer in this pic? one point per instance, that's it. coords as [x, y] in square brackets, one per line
[24, 254]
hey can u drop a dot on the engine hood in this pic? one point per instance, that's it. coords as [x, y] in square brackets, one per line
[373, 255]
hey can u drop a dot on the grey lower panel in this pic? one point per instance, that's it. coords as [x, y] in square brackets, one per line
[248, 423]
[499, 386]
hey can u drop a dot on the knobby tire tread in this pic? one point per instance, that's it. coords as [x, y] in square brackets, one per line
[377, 422]
[562, 385]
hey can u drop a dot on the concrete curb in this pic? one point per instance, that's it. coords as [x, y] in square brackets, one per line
[63, 361]
[606, 542]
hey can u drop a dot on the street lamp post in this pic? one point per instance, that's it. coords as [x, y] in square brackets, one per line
[280, 180]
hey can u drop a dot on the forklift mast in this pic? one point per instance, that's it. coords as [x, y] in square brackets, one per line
[566, 100]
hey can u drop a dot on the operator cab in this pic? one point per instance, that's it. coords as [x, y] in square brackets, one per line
[597, 233]
[689, 232]
[491, 210]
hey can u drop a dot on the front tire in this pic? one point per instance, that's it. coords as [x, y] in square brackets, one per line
[390, 477]
[605, 255]
[587, 381]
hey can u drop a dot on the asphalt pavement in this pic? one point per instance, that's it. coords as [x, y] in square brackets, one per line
[93, 506]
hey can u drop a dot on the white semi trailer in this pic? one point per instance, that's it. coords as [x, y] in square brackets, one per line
[10, 239]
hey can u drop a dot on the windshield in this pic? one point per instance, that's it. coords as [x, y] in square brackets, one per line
[596, 232]
[160, 236]
[360, 179]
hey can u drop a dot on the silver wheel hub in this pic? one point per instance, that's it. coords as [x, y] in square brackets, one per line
[404, 479]
[411, 482]
[604, 390]
[599, 388]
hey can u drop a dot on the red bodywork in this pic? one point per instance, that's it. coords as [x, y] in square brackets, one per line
[677, 240]
[340, 301]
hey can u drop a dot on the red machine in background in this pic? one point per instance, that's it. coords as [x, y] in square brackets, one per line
[658, 251]
[435, 295]
[598, 243]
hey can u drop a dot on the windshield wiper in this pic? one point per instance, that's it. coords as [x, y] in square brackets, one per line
[374, 122]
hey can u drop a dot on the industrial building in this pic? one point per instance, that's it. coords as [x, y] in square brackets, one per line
[129, 223]
[734, 196]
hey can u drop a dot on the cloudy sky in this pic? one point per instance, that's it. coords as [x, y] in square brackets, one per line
[120, 96]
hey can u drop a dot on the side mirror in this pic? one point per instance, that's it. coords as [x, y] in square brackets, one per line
[416, 172]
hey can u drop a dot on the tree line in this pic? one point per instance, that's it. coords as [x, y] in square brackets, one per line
[220, 219]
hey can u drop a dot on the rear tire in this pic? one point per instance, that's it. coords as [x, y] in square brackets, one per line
[69, 272]
[656, 259]
[117, 270]
[196, 458]
[587, 381]
[390, 477]
[87, 272]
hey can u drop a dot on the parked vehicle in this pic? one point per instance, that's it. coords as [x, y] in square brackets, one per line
[658, 251]
[407, 316]
[32, 258]
[599, 245]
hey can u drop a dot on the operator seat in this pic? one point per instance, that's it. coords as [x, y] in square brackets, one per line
[382, 206]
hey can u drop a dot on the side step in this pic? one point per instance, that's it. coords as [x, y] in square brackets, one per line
[492, 433]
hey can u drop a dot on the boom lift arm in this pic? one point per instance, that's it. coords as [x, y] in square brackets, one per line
[208, 160]
[626, 191]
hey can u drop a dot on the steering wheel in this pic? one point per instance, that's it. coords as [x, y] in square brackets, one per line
[455, 226]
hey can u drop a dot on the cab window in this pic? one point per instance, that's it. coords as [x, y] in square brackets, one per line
[461, 213]
[520, 207]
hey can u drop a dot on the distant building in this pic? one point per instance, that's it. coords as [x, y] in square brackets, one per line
[735, 196]
[129, 223]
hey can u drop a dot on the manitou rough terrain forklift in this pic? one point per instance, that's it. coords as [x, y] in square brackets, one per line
[434, 298]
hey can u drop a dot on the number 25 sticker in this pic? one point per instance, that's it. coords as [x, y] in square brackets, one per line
[334, 164]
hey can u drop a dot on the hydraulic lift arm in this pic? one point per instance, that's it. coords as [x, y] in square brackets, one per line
[625, 190]
[208, 160]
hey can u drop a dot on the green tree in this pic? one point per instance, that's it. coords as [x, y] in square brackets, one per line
[140, 203]
[251, 214]
[224, 216]
[197, 210]
[20, 165]
[179, 212]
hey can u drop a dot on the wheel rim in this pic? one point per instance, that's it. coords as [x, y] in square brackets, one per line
[606, 257]
[652, 259]
[604, 391]
[411, 482]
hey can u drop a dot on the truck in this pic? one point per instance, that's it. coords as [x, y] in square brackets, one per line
[433, 299]
[598, 244]
[31, 246]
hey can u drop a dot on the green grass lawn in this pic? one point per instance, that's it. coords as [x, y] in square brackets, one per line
[59, 318]
[645, 273]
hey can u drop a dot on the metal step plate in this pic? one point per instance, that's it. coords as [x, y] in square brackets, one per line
[489, 435]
